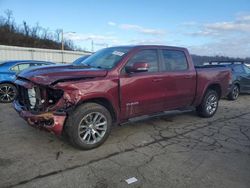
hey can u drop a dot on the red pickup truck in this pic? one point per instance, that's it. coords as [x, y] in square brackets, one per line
[114, 85]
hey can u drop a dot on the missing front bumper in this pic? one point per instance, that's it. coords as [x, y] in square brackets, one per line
[50, 121]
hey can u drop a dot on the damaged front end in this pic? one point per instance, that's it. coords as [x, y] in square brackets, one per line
[46, 95]
[42, 107]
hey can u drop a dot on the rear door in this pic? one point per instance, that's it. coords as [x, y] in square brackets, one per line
[142, 93]
[179, 79]
[242, 74]
[245, 80]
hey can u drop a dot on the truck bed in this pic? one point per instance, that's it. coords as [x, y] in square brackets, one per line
[207, 75]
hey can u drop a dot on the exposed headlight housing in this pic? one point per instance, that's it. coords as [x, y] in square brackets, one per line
[41, 98]
[32, 97]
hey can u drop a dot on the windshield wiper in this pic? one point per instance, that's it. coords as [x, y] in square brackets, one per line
[88, 65]
[82, 65]
[99, 67]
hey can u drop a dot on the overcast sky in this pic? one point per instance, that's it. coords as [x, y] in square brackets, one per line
[211, 27]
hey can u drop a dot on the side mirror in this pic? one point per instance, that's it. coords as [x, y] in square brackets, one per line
[137, 67]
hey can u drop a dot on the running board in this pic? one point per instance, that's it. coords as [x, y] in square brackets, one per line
[170, 112]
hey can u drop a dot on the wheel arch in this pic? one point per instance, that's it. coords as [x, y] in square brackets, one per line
[101, 101]
[237, 83]
[8, 82]
[216, 87]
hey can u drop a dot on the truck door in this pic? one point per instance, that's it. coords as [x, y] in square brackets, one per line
[142, 93]
[179, 79]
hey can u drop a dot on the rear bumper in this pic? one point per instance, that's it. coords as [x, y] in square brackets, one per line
[49, 121]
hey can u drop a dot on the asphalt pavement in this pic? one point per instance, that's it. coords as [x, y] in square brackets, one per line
[178, 149]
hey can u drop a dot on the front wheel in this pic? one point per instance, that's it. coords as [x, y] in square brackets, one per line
[89, 126]
[7, 93]
[209, 104]
[233, 95]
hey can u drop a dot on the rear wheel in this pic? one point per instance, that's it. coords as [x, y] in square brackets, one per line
[7, 93]
[234, 94]
[89, 126]
[209, 104]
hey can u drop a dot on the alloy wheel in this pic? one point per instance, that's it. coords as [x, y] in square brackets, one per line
[7, 93]
[92, 127]
[235, 92]
[211, 104]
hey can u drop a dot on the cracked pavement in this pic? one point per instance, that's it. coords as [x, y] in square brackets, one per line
[178, 149]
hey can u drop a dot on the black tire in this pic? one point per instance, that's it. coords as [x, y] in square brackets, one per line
[79, 119]
[234, 94]
[8, 93]
[209, 104]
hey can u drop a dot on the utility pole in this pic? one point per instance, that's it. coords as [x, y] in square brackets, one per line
[63, 37]
[92, 45]
[62, 41]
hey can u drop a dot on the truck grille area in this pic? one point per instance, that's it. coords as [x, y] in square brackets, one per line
[38, 99]
[22, 97]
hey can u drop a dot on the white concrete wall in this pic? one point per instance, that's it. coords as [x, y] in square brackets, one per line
[23, 53]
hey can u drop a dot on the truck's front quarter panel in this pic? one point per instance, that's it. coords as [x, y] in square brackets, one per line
[51, 104]
[77, 92]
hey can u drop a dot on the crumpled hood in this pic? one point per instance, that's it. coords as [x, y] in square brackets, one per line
[47, 75]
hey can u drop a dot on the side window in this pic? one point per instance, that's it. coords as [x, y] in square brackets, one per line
[174, 60]
[238, 69]
[38, 64]
[147, 56]
[34, 64]
[15, 68]
[23, 66]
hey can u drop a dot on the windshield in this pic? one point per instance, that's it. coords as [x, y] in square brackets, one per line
[80, 60]
[106, 58]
